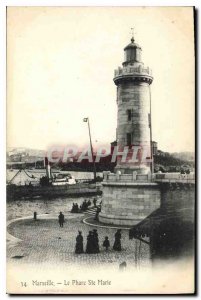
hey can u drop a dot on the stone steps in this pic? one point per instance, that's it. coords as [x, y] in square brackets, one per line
[92, 210]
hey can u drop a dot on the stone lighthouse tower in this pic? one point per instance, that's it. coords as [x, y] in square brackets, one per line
[129, 195]
[134, 110]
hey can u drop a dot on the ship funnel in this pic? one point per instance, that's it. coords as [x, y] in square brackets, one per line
[47, 168]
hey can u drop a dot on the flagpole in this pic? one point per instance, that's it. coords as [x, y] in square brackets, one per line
[94, 166]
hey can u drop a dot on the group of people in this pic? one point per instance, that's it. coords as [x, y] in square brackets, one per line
[92, 246]
[92, 242]
[92, 238]
[85, 204]
[83, 207]
[75, 208]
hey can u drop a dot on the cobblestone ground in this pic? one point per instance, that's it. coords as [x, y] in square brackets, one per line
[22, 208]
[44, 241]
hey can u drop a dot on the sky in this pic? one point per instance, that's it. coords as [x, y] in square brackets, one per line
[60, 69]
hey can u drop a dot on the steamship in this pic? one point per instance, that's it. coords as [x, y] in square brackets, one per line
[52, 186]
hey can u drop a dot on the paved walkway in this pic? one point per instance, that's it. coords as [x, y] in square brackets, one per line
[43, 241]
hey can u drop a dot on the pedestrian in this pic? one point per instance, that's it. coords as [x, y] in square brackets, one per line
[89, 248]
[94, 201]
[106, 243]
[61, 219]
[85, 205]
[98, 210]
[95, 241]
[117, 242]
[73, 208]
[76, 208]
[35, 215]
[79, 243]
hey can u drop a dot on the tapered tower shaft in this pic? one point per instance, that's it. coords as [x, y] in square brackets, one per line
[134, 106]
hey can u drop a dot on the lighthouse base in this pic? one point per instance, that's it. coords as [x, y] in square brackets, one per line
[128, 203]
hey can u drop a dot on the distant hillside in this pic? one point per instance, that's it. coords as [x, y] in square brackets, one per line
[164, 161]
[169, 163]
[25, 151]
[188, 156]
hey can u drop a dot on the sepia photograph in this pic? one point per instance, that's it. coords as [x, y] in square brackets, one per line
[100, 150]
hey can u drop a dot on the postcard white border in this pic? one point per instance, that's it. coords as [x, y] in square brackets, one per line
[3, 5]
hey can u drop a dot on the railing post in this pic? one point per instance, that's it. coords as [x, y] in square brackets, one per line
[134, 176]
[118, 175]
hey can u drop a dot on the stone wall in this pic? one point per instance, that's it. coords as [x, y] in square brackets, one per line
[130, 198]
[128, 203]
[180, 200]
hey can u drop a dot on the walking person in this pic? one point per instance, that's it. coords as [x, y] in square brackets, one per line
[117, 242]
[79, 243]
[61, 219]
[106, 243]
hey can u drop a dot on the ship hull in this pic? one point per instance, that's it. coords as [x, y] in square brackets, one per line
[15, 192]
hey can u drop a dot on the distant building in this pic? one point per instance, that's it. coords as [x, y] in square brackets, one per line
[15, 157]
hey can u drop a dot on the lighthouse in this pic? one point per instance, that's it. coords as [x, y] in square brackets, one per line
[129, 195]
[133, 132]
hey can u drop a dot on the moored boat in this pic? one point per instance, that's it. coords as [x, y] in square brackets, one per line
[15, 192]
[52, 185]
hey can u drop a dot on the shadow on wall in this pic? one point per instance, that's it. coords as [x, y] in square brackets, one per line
[170, 228]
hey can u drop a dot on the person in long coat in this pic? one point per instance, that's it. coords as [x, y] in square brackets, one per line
[95, 241]
[94, 201]
[98, 210]
[117, 242]
[106, 243]
[61, 219]
[73, 208]
[79, 243]
[90, 243]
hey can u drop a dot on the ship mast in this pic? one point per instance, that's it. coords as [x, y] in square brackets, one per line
[94, 166]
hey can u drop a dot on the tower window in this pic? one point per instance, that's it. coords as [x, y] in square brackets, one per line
[129, 139]
[129, 114]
